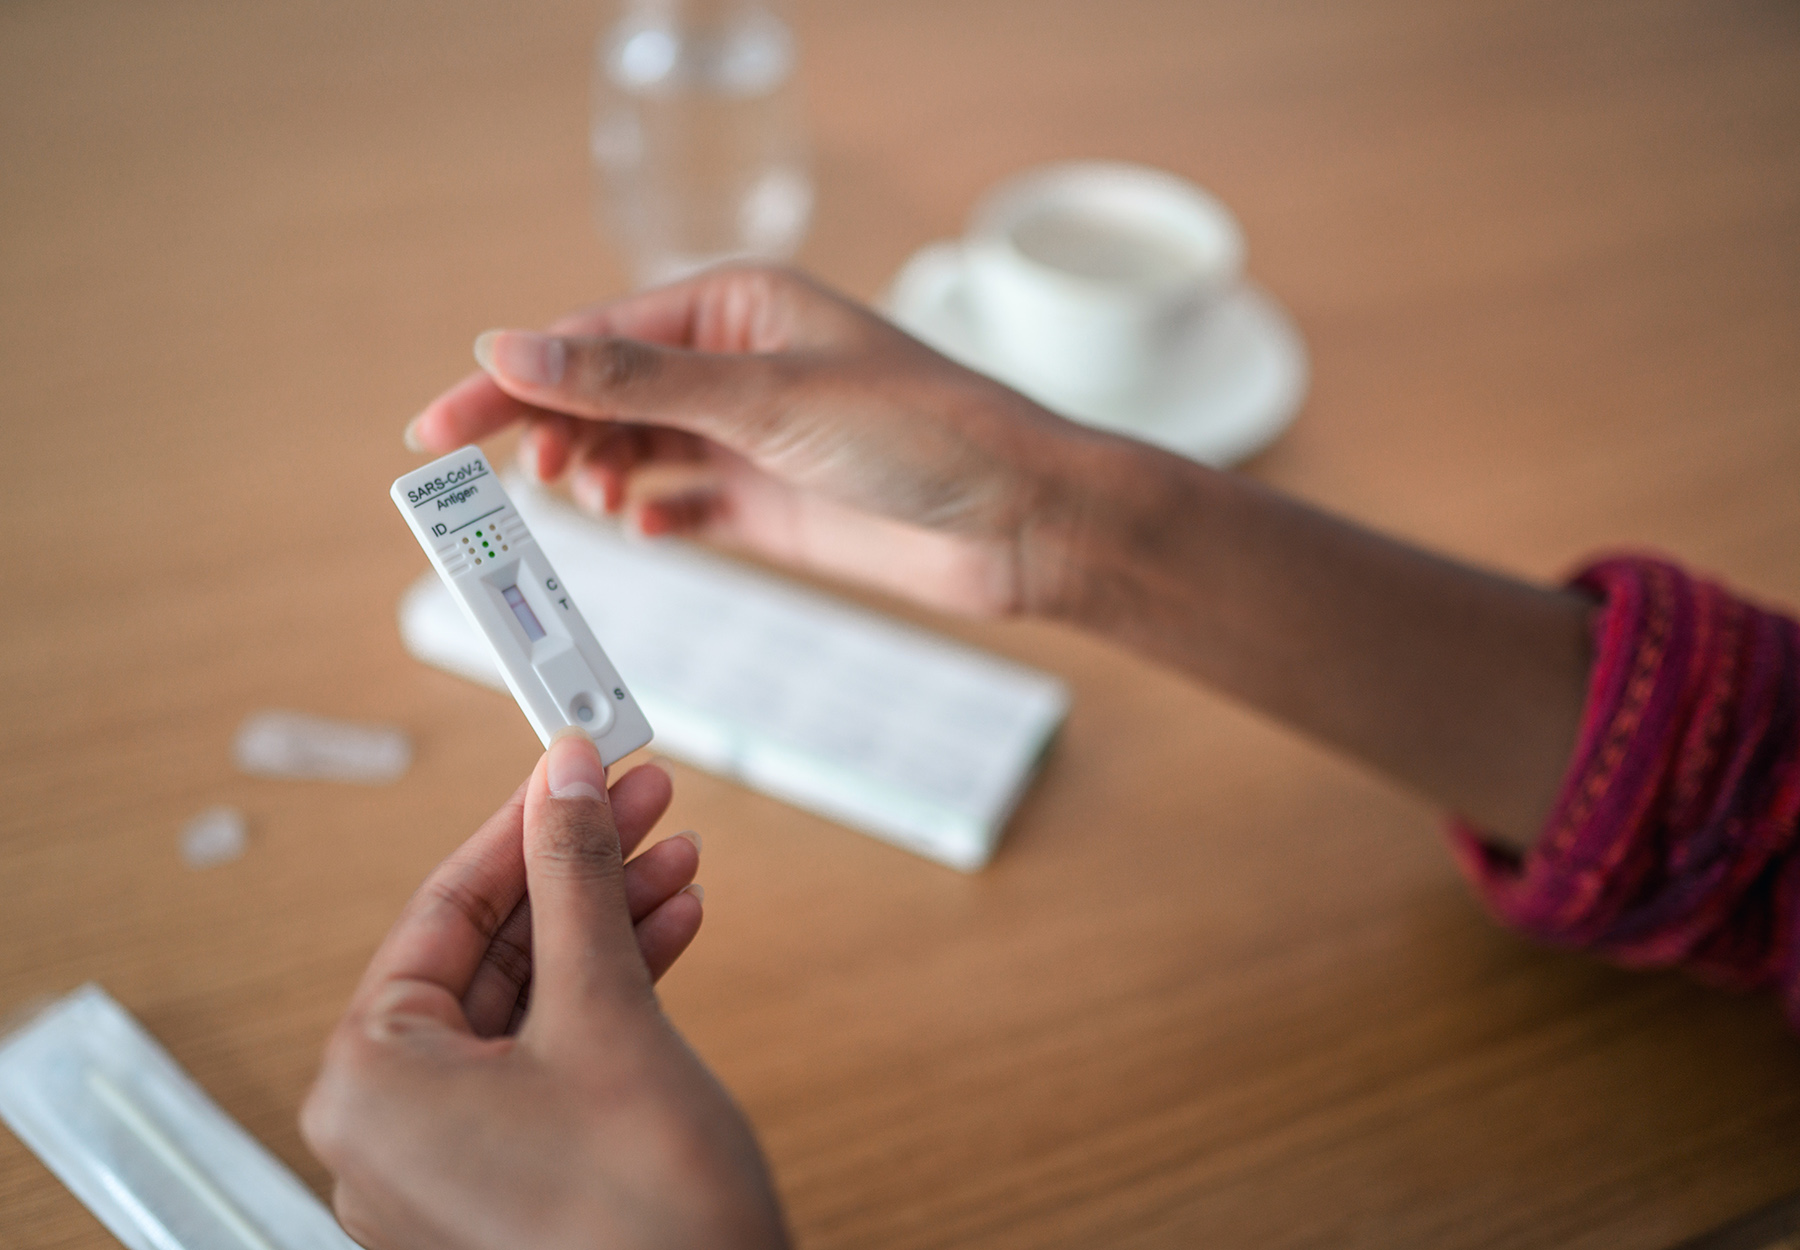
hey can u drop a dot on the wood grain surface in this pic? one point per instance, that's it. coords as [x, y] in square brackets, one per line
[1219, 988]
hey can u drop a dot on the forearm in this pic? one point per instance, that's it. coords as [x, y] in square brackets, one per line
[850, 449]
[1463, 685]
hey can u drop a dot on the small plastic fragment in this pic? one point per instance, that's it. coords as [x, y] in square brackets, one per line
[313, 748]
[216, 836]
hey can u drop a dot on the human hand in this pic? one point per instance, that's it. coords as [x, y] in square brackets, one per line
[752, 406]
[503, 1075]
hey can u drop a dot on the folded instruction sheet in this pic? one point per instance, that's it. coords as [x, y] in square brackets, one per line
[893, 730]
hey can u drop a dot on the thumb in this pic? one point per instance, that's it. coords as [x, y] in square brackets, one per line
[718, 395]
[584, 953]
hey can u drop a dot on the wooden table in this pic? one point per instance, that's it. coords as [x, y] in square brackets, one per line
[1219, 988]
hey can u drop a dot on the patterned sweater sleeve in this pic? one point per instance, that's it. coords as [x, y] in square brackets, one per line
[1672, 841]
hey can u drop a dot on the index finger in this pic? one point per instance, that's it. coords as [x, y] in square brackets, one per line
[475, 407]
[446, 926]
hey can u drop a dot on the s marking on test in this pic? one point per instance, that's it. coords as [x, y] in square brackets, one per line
[500, 578]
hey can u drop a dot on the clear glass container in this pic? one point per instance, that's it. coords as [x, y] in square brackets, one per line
[697, 138]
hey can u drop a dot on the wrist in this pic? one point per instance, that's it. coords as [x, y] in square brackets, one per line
[1109, 512]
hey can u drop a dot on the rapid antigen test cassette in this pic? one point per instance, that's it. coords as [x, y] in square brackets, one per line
[506, 588]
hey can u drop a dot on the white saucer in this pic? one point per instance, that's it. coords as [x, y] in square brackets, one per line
[1234, 382]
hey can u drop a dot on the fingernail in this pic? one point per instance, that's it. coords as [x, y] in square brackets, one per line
[691, 836]
[697, 890]
[634, 522]
[521, 356]
[393, 1012]
[540, 457]
[573, 769]
[411, 436]
[529, 456]
[484, 349]
[590, 495]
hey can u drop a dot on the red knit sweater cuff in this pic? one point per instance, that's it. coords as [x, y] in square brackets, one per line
[1672, 840]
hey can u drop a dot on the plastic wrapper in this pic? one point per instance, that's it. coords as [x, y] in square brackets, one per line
[313, 748]
[117, 1120]
[216, 836]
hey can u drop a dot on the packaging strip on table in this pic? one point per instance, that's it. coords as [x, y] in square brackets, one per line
[117, 1120]
[913, 737]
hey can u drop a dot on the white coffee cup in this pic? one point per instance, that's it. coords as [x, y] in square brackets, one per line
[1080, 276]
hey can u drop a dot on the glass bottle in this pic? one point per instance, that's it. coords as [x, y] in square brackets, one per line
[696, 135]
